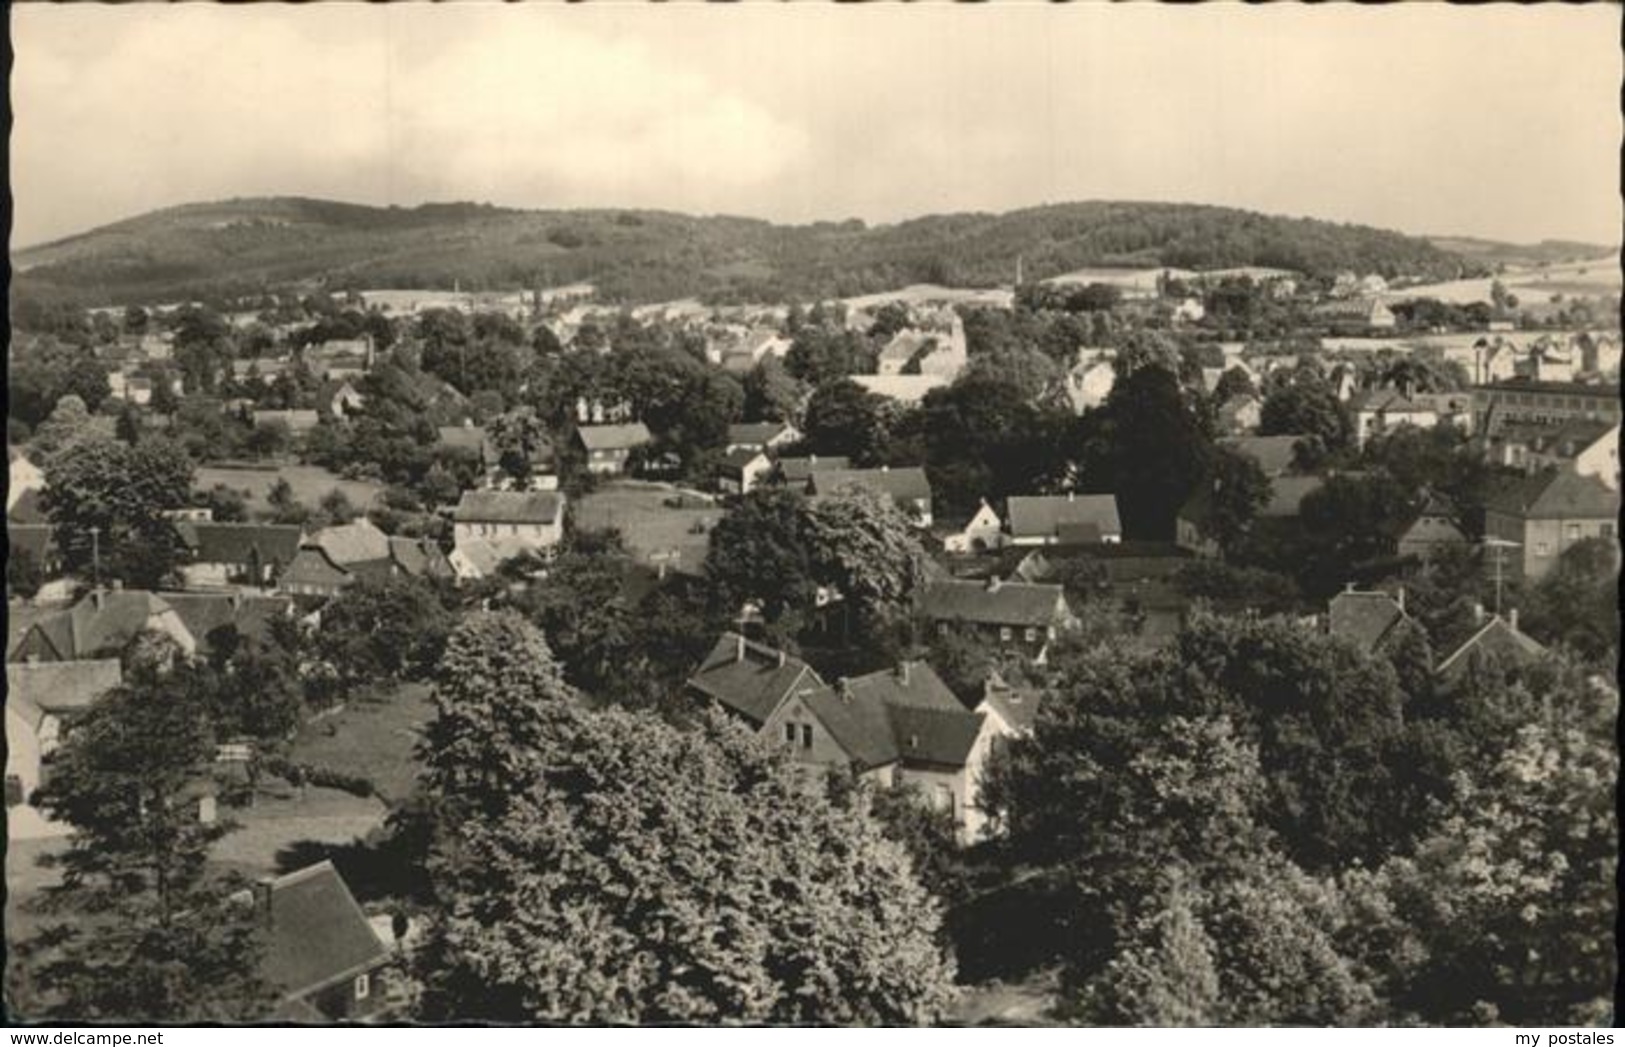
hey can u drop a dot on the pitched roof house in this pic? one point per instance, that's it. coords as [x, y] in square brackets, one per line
[225, 552]
[1498, 639]
[1547, 513]
[533, 516]
[1013, 613]
[321, 955]
[761, 436]
[906, 486]
[1274, 454]
[1064, 519]
[750, 679]
[899, 727]
[609, 447]
[901, 388]
[800, 470]
[40, 698]
[102, 624]
[1365, 618]
[1433, 527]
[743, 469]
[336, 557]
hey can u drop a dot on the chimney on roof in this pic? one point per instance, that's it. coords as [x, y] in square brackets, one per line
[902, 671]
[1512, 619]
[1071, 496]
[843, 687]
[993, 584]
[1478, 614]
[739, 646]
[1399, 598]
[812, 459]
[885, 468]
[781, 658]
[262, 899]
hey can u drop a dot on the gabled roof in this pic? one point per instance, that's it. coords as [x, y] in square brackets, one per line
[1497, 635]
[1389, 401]
[1287, 494]
[614, 437]
[1273, 454]
[239, 543]
[1043, 516]
[1557, 494]
[353, 542]
[798, 470]
[101, 622]
[1018, 706]
[1016, 604]
[517, 507]
[296, 420]
[1364, 618]
[37, 540]
[756, 434]
[419, 558]
[26, 509]
[736, 461]
[250, 615]
[750, 678]
[903, 484]
[484, 555]
[905, 714]
[59, 687]
[313, 566]
[467, 437]
[318, 935]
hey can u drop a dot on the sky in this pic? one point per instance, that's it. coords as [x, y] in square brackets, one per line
[1498, 121]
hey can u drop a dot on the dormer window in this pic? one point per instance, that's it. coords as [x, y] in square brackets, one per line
[363, 986]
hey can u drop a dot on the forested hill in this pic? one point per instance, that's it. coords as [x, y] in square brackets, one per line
[240, 246]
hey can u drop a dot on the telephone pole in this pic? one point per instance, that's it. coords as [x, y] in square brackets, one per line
[96, 556]
[1500, 545]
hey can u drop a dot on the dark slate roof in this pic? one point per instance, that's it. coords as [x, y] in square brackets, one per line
[318, 934]
[1363, 618]
[26, 510]
[419, 558]
[1524, 385]
[883, 717]
[1044, 516]
[753, 685]
[614, 437]
[734, 462]
[467, 437]
[1497, 635]
[240, 543]
[251, 615]
[312, 566]
[1017, 604]
[1287, 494]
[1557, 494]
[799, 470]
[906, 484]
[59, 687]
[1272, 453]
[1017, 705]
[755, 434]
[37, 540]
[517, 507]
[100, 622]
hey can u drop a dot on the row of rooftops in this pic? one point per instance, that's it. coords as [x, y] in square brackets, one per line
[1367, 619]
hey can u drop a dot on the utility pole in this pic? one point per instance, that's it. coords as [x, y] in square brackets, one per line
[1500, 545]
[96, 556]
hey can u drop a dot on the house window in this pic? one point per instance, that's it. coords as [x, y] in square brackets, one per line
[790, 733]
[1031, 634]
[363, 986]
[945, 798]
[942, 628]
[806, 736]
[1543, 549]
[1607, 530]
[1574, 532]
[1005, 633]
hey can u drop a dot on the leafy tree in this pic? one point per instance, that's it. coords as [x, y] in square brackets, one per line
[771, 394]
[152, 935]
[761, 552]
[225, 504]
[1239, 490]
[1233, 383]
[497, 695]
[648, 879]
[69, 422]
[393, 628]
[1306, 407]
[256, 695]
[285, 505]
[864, 546]
[123, 491]
[1145, 419]
[820, 355]
[24, 575]
[336, 508]
[1166, 973]
[1576, 604]
[986, 439]
[519, 436]
[844, 419]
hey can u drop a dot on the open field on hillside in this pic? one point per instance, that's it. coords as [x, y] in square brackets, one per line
[310, 484]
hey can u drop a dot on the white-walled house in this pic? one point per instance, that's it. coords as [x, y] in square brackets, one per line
[984, 531]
